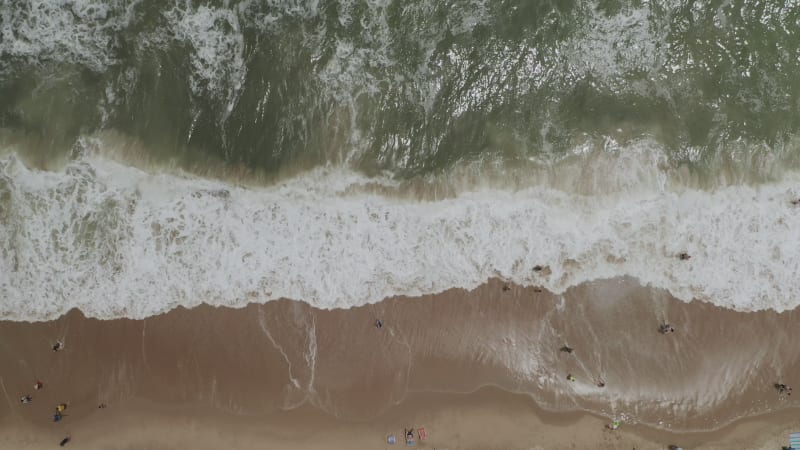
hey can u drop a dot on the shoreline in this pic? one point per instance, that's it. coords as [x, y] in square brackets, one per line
[715, 373]
[161, 241]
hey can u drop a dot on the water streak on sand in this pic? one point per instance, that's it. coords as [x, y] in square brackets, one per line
[263, 324]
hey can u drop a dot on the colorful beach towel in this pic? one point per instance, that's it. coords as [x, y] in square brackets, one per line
[794, 440]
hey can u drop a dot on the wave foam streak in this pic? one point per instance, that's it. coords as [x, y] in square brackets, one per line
[115, 241]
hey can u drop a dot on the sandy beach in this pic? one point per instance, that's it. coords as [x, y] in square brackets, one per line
[318, 224]
[479, 369]
[487, 419]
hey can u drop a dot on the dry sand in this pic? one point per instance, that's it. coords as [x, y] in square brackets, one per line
[285, 375]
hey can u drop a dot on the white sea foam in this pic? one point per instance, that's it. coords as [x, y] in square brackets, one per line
[77, 31]
[116, 241]
[350, 71]
[217, 49]
[609, 46]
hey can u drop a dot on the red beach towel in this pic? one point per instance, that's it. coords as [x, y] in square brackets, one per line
[421, 433]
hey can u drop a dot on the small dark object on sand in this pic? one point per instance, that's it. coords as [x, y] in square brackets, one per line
[538, 268]
[684, 256]
[566, 349]
[65, 441]
[506, 287]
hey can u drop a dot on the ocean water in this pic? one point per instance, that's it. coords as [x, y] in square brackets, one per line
[164, 153]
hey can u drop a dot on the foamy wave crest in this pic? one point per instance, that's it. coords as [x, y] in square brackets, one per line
[117, 241]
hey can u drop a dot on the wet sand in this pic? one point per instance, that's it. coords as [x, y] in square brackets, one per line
[288, 374]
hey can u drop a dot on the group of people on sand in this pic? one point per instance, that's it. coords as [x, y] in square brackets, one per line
[664, 328]
[58, 415]
[61, 407]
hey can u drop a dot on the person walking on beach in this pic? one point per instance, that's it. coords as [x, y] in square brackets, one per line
[38, 385]
[26, 399]
[783, 389]
[378, 324]
[58, 346]
[57, 417]
[570, 377]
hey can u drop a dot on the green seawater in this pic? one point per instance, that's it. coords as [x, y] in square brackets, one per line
[414, 88]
